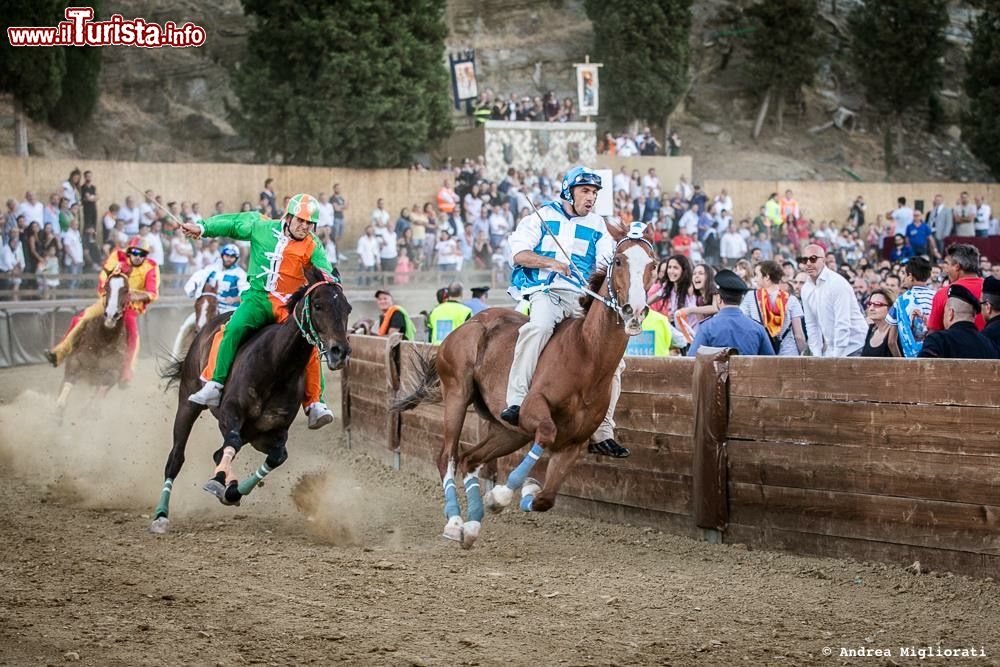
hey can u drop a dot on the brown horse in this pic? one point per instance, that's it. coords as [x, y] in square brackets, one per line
[569, 395]
[99, 353]
[206, 308]
[264, 390]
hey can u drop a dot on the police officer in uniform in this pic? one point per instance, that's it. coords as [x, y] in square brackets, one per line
[478, 301]
[730, 327]
[991, 310]
[960, 338]
[448, 315]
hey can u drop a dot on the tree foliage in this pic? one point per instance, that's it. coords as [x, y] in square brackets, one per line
[359, 83]
[80, 84]
[896, 47]
[32, 75]
[643, 45]
[980, 128]
[783, 48]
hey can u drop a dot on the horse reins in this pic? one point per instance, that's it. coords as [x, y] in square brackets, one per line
[308, 330]
[612, 300]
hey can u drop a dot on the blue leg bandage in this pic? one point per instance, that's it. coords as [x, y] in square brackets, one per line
[451, 507]
[246, 486]
[521, 472]
[474, 497]
[526, 502]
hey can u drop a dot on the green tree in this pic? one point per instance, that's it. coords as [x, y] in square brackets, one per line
[32, 76]
[896, 69]
[359, 83]
[783, 50]
[980, 129]
[80, 86]
[643, 45]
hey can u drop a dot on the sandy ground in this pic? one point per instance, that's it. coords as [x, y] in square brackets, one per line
[370, 582]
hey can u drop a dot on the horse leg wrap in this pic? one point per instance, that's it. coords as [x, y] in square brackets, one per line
[473, 497]
[520, 473]
[233, 494]
[225, 466]
[164, 505]
[247, 485]
[451, 507]
[528, 492]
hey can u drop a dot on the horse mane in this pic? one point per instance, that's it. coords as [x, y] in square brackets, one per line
[295, 298]
[596, 280]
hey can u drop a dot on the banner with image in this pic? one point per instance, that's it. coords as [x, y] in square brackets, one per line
[463, 77]
[587, 89]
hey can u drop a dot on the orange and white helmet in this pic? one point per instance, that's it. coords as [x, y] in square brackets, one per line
[138, 242]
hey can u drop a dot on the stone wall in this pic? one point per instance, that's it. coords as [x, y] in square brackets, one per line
[551, 146]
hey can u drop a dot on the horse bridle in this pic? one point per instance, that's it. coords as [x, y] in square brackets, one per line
[612, 300]
[305, 325]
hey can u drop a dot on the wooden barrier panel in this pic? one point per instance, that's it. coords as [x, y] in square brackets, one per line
[875, 458]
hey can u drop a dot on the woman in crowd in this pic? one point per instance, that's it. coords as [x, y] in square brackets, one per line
[775, 307]
[447, 252]
[877, 340]
[32, 247]
[744, 270]
[635, 185]
[703, 289]
[674, 288]
[71, 187]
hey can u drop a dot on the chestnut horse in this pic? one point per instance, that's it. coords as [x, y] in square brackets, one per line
[264, 389]
[101, 346]
[569, 395]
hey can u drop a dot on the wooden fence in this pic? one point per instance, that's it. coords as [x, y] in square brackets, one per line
[873, 459]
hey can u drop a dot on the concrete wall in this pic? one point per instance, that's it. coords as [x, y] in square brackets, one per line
[207, 183]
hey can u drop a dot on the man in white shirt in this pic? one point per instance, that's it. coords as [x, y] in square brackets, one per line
[622, 181]
[388, 252]
[984, 214]
[684, 189]
[689, 221]
[73, 247]
[903, 215]
[732, 246]
[151, 234]
[380, 215]
[32, 209]
[368, 254]
[130, 215]
[724, 202]
[651, 184]
[147, 209]
[325, 212]
[964, 216]
[836, 326]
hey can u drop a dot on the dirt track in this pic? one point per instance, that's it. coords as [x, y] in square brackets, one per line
[372, 583]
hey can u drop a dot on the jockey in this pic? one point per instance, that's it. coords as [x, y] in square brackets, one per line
[144, 286]
[230, 281]
[280, 250]
[553, 287]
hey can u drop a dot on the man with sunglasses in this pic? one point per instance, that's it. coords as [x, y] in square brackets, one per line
[834, 320]
[280, 250]
[144, 287]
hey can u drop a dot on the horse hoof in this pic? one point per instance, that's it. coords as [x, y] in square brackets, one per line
[218, 490]
[498, 498]
[470, 533]
[453, 529]
[530, 489]
[160, 526]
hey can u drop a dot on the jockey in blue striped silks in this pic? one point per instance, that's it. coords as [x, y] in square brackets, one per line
[543, 277]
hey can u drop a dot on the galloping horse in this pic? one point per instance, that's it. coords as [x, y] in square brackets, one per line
[206, 308]
[569, 396]
[99, 354]
[264, 389]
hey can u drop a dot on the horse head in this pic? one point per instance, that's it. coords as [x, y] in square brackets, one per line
[115, 298]
[206, 306]
[321, 311]
[631, 272]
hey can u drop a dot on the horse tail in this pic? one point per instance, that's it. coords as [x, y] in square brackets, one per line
[428, 389]
[173, 372]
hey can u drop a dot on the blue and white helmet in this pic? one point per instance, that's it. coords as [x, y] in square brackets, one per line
[230, 249]
[578, 176]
